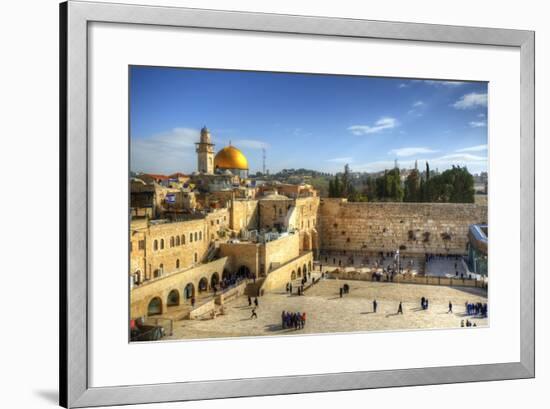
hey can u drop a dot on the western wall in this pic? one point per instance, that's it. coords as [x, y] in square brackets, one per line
[413, 228]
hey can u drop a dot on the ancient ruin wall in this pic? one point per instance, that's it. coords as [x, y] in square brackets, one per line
[413, 227]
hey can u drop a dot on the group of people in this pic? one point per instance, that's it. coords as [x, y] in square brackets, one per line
[424, 303]
[476, 308]
[467, 324]
[344, 290]
[294, 320]
[439, 256]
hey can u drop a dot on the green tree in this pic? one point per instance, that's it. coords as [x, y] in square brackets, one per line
[412, 187]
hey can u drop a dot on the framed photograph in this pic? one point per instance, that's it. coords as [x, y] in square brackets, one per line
[259, 204]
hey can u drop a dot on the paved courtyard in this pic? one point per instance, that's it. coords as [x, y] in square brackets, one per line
[326, 312]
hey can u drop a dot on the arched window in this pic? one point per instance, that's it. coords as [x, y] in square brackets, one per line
[196, 257]
[200, 235]
[190, 237]
[178, 263]
[156, 245]
[196, 236]
[161, 244]
[172, 241]
[161, 268]
[177, 240]
[183, 239]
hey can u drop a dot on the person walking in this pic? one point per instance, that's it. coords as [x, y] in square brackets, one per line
[192, 302]
[249, 301]
[400, 308]
[450, 308]
[256, 301]
[374, 306]
[341, 292]
[254, 315]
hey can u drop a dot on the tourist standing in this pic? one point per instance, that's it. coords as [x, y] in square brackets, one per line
[400, 308]
[341, 292]
[256, 301]
[249, 301]
[450, 307]
[374, 306]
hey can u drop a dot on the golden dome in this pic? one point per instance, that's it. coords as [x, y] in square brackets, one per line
[230, 158]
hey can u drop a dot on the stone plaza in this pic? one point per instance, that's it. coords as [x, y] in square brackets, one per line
[326, 312]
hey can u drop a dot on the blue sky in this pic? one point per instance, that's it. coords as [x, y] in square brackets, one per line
[318, 122]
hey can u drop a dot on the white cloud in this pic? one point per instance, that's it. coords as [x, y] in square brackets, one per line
[478, 124]
[345, 159]
[379, 126]
[165, 152]
[481, 115]
[404, 152]
[402, 85]
[250, 144]
[174, 151]
[444, 83]
[477, 148]
[474, 163]
[418, 104]
[471, 100]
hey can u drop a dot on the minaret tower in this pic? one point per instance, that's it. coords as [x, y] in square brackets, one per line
[205, 153]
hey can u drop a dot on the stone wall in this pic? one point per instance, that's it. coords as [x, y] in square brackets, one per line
[244, 215]
[278, 252]
[160, 287]
[242, 254]
[278, 278]
[412, 227]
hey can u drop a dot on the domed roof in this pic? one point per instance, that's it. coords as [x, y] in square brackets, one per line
[230, 158]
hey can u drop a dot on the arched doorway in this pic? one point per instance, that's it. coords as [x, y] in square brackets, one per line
[137, 277]
[304, 269]
[173, 298]
[214, 280]
[203, 284]
[293, 275]
[299, 272]
[189, 291]
[226, 274]
[154, 307]
[243, 272]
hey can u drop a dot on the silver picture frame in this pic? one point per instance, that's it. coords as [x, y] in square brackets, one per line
[75, 16]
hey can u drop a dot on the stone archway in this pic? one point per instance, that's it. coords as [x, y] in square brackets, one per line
[189, 291]
[243, 272]
[154, 307]
[226, 274]
[304, 269]
[214, 280]
[173, 298]
[299, 272]
[293, 275]
[203, 284]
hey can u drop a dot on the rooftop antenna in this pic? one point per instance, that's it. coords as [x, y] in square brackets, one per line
[263, 161]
